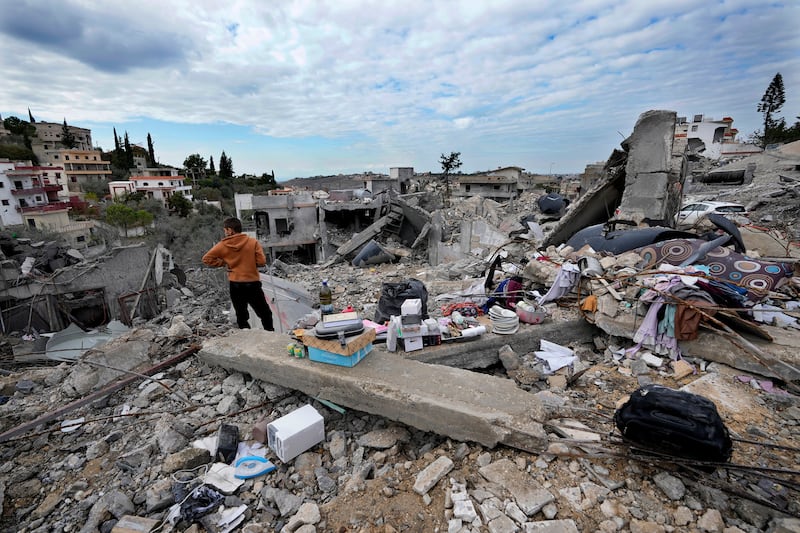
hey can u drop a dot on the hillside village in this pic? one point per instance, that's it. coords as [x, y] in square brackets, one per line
[121, 363]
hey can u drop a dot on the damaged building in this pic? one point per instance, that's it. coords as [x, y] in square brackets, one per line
[502, 419]
[46, 286]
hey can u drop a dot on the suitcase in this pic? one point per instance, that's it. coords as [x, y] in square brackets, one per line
[338, 331]
[676, 423]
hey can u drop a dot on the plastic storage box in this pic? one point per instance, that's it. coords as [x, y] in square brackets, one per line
[323, 356]
[292, 434]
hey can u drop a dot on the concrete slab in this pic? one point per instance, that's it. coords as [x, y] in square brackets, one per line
[460, 404]
[483, 352]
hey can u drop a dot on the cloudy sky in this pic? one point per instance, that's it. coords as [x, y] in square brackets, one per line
[324, 87]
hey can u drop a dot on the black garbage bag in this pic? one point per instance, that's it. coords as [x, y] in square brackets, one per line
[394, 294]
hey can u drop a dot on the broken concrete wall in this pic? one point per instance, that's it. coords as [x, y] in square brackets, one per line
[596, 205]
[655, 171]
[123, 271]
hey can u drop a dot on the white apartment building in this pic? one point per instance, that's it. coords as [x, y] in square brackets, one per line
[711, 138]
[28, 198]
[156, 187]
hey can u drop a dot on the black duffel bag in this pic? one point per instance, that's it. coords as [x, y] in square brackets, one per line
[394, 294]
[675, 423]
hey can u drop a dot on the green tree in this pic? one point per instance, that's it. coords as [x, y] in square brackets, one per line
[117, 146]
[128, 152]
[18, 126]
[211, 169]
[179, 204]
[225, 167]
[771, 103]
[126, 217]
[150, 151]
[449, 164]
[209, 193]
[67, 138]
[122, 216]
[133, 198]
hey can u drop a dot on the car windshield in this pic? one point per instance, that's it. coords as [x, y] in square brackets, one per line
[731, 209]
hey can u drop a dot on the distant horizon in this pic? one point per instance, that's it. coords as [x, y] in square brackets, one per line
[326, 88]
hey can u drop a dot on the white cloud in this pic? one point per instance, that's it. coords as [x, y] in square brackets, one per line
[411, 79]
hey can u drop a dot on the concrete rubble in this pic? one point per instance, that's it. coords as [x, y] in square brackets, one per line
[464, 437]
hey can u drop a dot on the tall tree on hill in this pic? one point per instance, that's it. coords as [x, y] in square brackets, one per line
[225, 167]
[211, 169]
[117, 146]
[150, 151]
[771, 103]
[67, 138]
[195, 168]
[128, 152]
[449, 163]
[30, 116]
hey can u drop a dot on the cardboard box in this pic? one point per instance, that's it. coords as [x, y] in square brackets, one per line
[341, 319]
[412, 306]
[411, 344]
[322, 356]
[292, 434]
[352, 344]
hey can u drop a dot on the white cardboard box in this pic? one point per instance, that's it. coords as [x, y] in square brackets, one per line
[412, 306]
[292, 434]
[411, 344]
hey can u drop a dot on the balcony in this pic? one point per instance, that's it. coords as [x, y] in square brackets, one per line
[44, 208]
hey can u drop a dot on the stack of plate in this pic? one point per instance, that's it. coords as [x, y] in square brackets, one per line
[504, 321]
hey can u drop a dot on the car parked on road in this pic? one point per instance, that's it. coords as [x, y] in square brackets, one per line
[691, 214]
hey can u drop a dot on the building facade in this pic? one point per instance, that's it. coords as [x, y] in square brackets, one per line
[159, 187]
[28, 198]
[713, 139]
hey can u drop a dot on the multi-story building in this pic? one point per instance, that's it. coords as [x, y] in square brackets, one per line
[81, 167]
[156, 183]
[48, 144]
[499, 185]
[398, 179]
[29, 198]
[711, 138]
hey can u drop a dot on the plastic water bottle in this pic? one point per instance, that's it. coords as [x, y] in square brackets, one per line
[325, 299]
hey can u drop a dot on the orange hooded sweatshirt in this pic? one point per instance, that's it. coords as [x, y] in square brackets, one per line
[241, 254]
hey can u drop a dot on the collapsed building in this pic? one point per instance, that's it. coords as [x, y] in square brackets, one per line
[403, 424]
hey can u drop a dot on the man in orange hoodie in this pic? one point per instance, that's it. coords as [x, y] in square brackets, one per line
[242, 255]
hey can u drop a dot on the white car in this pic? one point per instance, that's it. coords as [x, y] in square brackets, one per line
[691, 214]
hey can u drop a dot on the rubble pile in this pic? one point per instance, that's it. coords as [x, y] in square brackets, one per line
[83, 453]
[131, 452]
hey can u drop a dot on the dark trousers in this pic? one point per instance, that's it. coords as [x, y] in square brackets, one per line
[244, 293]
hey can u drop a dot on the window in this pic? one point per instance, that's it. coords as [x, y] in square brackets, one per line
[2, 185]
[5, 202]
[466, 187]
[694, 128]
[282, 226]
[73, 179]
[81, 238]
[58, 175]
[17, 184]
[38, 198]
[31, 223]
[66, 158]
